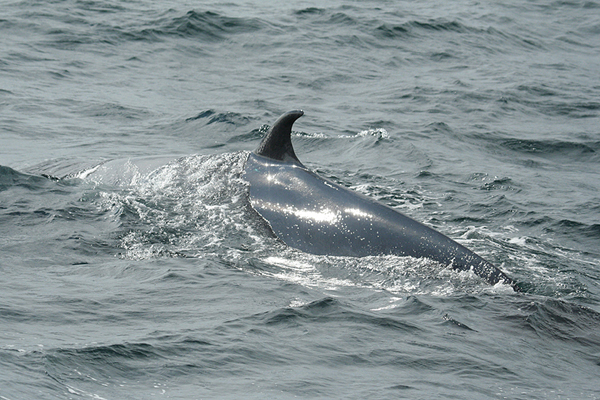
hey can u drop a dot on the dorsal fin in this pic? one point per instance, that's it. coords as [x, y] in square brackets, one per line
[277, 143]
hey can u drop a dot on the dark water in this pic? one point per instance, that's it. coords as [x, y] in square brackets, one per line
[156, 280]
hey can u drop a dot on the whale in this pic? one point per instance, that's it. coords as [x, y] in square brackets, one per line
[315, 215]
[302, 209]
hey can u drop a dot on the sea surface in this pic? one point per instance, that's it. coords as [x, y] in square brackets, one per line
[480, 119]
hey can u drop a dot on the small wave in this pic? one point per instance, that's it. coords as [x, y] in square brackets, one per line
[504, 184]
[210, 25]
[491, 39]
[574, 151]
[254, 136]
[331, 310]
[82, 369]
[570, 228]
[550, 101]
[10, 178]
[386, 31]
[440, 25]
[127, 351]
[69, 32]
[206, 26]
[327, 17]
[562, 320]
[378, 133]
[311, 11]
[414, 28]
[213, 117]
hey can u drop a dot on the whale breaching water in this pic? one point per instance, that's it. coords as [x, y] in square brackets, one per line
[318, 216]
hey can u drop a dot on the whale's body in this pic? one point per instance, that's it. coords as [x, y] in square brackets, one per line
[317, 216]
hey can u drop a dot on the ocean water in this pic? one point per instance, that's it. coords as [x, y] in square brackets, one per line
[157, 280]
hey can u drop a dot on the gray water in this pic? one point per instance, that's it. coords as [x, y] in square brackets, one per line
[157, 280]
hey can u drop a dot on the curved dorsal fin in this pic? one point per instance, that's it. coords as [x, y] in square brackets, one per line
[277, 143]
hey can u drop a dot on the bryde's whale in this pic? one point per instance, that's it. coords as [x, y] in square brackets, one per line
[318, 216]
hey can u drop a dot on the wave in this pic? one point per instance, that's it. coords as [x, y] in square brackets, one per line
[534, 151]
[586, 231]
[488, 38]
[412, 28]
[210, 117]
[550, 101]
[557, 319]
[549, 147]
[214, 350]
[68, 30]
[202, 25]
[10, 178]
[251, 343]
[331, 310]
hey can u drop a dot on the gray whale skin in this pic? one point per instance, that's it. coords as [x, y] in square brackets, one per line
[317, 216]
